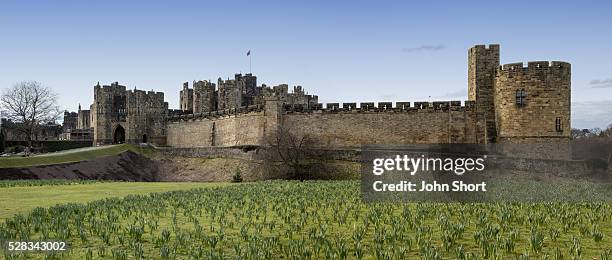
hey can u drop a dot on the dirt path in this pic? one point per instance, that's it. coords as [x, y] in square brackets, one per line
[74, 150]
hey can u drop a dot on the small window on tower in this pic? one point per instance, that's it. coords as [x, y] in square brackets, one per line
[521, 97]
[558, 126]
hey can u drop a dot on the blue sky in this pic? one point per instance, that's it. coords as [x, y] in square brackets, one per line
[341, 50]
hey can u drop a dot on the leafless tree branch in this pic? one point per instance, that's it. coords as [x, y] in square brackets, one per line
[30, 104]
[295, 150]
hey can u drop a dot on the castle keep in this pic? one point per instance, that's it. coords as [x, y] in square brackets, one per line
[510, 103]
[242, 91]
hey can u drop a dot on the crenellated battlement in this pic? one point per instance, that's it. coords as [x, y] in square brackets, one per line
[347, 107]
[151, 98]
[175, 117]
[113, 87]
[146, 93]
[381, 107]
[485, 47]
[534, 66]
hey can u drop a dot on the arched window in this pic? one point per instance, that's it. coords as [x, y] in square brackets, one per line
[521, 97]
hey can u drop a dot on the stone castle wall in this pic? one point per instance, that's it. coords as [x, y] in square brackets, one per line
[346, 129]
[224, 130]
[334, 127]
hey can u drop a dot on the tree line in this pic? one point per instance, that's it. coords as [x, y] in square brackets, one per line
[592, 133]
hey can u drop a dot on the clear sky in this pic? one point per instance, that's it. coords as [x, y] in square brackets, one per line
[340, 50]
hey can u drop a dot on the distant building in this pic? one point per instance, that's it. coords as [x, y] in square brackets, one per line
[77, 135]
[77, 126]
[83, 119]
[70, 120]
[12, 131]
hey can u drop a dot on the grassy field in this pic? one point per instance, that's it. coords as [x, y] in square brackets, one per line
[311, 220]
[66, 157]
[15, 200]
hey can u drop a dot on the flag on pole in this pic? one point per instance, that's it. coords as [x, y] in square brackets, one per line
[248, 52]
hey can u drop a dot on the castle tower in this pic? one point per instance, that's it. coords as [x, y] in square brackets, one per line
[235, 93]
[247, 85]
[204, 97]
[109, 114]
[83, 118]
[482, 63]
[532, 103]
[146, 117]
[186, 98]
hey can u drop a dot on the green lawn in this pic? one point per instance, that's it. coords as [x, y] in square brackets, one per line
[23, 199]
[303, 220]
[64, 157]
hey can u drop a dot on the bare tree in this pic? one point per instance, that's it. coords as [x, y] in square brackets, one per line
[608, 131]
[299, 152]
[577, 133]
[29, 104]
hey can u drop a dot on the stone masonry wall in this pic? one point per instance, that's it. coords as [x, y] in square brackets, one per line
[104, 111]
[226, 130]
[547, 97]
[482, 63]
[146, 117]
[352, 129]
[334, 128]
[204, 97]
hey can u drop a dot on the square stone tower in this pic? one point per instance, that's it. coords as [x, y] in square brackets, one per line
[186, 98]
[237, 92]
[204, 96]
[483, 62]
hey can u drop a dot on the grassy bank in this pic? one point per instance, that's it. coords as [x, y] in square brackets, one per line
[14, 200]
[67, 156]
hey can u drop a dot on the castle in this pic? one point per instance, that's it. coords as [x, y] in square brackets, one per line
[511, 103]
[77, 126]
[242, 91]
[126, 116]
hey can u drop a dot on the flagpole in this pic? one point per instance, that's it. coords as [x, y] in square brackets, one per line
[250, 62]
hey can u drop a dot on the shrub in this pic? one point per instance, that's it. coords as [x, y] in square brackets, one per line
[237, 177]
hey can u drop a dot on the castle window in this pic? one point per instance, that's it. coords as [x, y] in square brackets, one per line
[521, 97]
[558, 127]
